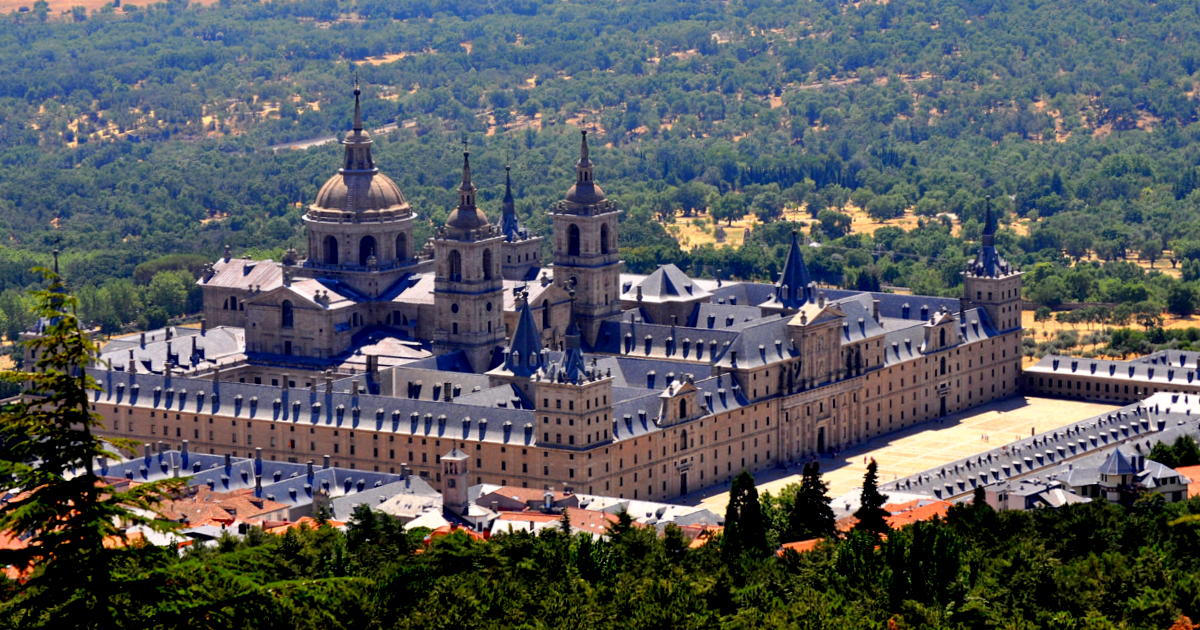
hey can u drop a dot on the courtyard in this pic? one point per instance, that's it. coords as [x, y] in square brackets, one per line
[926, 445]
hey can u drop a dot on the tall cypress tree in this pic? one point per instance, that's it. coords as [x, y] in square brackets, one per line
[811, 515]
[63, 509]
[745, 527]
[870, 514]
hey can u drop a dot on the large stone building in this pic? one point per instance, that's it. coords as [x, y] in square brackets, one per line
[382, 354]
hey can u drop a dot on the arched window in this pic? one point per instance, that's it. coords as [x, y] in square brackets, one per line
[941, 337]
[455, 266]
[331, 250]
[545, 314]
[366, 249]
[487, 264]
[604, 239]
[573, 240]
[942, 369]
[401, 248]
[287, 315]
[682, 408]
[683, 442]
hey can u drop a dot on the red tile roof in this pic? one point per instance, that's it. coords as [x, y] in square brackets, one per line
[1193, 474]
[799, 546]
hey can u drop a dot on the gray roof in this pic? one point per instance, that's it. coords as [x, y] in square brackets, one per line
[1117, 464]
[1086, 443]
[187, 348]
[665, 284]
[412, 485]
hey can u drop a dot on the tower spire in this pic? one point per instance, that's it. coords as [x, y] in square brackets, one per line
[989, 225]
[357, 141]
[357, 106]
[508, 196]
[509, 224]
[524, 356]
[583, 168]
[466, 191]
[989, 263]
[793, 288]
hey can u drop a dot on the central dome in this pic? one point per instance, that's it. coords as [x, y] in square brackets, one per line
[362, 192]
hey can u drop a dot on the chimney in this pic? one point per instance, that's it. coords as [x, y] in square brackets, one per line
[446, 392]
[146, 452]
[875, 309]
[310, 470]
[142, 340]
[203, 326]
[258, 460]
[353, 387]
[283, 380]
[258, 485]
[228, 462]
[183, 454]
[175, 470]
[324, 461]
[372, 363]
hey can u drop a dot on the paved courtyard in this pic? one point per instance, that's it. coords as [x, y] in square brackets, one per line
[927, 445]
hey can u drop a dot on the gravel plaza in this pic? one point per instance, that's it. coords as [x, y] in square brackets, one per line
[927, 445]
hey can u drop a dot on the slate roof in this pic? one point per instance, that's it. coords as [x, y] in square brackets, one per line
[795, 285]
[187, 348]
[244, 273]
[1165, 373]
[524, 353]
[665, 284]
[1117, 464]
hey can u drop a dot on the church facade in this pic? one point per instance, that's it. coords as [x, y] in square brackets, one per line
[383, 354]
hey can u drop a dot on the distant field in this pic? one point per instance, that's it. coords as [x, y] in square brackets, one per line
[696, 231]
[59, 7]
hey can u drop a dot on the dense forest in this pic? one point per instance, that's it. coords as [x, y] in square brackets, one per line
[130, 134]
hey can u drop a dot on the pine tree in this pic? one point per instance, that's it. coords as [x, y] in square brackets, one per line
[811, 515]
[63, 510]
[870, 514]
[745, 527]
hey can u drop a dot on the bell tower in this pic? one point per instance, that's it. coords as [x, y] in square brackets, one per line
[468, 293]
[585, 248]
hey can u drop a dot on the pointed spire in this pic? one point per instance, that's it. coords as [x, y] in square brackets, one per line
[508, 196]
[583, 168]
[524, 356]
[466, 216]
[466, 191]
[585, 191]
[988, 263]
[573, 367]
[357, 141]
[357, 106]
[509, 225]
[793, 289]
[989, 223]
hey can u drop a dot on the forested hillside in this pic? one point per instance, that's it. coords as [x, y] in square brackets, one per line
[133, 133]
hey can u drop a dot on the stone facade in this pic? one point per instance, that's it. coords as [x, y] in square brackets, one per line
[557, 376]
